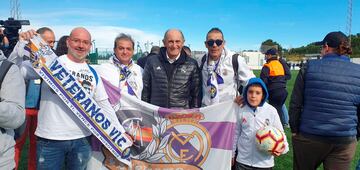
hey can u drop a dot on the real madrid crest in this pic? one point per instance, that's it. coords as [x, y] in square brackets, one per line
[189, 142]
[212, 91]
[122, 76]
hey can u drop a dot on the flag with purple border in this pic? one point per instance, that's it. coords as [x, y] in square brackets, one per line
[172, 138]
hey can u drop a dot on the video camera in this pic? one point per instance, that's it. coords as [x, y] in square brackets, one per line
[11, 31]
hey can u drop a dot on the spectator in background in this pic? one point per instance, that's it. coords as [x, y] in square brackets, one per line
[4, 42]
[61, 47]
[171, 79]
[284, 108]
[142, 61]
[324, 107]
[275, 73]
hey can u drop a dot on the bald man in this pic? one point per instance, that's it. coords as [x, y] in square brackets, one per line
[172, 78]
[62, 138]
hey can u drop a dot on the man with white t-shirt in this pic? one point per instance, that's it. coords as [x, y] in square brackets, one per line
[62, 138]
[123, 73]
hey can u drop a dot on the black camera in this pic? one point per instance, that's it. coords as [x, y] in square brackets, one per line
[11, 31]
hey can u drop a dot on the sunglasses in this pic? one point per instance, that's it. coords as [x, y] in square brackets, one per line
[212, 42]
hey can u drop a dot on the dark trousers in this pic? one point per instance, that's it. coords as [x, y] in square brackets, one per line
[277, 98]
[310, 153]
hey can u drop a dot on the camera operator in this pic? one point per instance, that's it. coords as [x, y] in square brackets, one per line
[4, 42]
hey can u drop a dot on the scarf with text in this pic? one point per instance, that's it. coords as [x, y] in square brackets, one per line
[111, 134]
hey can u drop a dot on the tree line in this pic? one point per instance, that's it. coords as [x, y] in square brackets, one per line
[297, 54]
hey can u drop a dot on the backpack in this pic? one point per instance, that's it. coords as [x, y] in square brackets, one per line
[4, 68]
[95, 74]
[235, 65]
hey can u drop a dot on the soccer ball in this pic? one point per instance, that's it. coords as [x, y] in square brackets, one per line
[269, 139]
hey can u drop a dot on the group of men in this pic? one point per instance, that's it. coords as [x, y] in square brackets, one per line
[170, 79]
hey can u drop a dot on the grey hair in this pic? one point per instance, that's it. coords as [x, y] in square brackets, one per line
[172, 29]
[123, 36]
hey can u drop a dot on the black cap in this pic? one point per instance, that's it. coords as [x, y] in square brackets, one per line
[333, 39]
[271, 51]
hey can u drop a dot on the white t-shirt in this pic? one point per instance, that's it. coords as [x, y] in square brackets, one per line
[55, 120]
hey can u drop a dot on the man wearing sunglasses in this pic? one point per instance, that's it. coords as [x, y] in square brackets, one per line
[220, 78]
[172, 79]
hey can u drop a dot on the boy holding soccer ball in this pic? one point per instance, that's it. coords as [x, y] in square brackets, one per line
[253, 117]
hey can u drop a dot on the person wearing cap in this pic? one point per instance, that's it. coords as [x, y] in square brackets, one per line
[324, 108]
[275, 73]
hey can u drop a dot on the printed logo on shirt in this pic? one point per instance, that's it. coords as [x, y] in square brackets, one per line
[84, 75]
[86, 79]
[212, 91]
[87, 86]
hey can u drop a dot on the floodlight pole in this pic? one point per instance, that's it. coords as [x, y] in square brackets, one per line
[349, 20]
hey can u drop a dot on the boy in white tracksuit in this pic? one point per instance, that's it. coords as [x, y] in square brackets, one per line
[255, 115]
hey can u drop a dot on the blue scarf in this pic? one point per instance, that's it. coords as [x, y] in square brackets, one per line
[212, 76]
[124, 74]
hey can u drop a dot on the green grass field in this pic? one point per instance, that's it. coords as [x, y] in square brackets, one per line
[283, 162]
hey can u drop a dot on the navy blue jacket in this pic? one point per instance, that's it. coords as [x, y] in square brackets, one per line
[326, 98]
